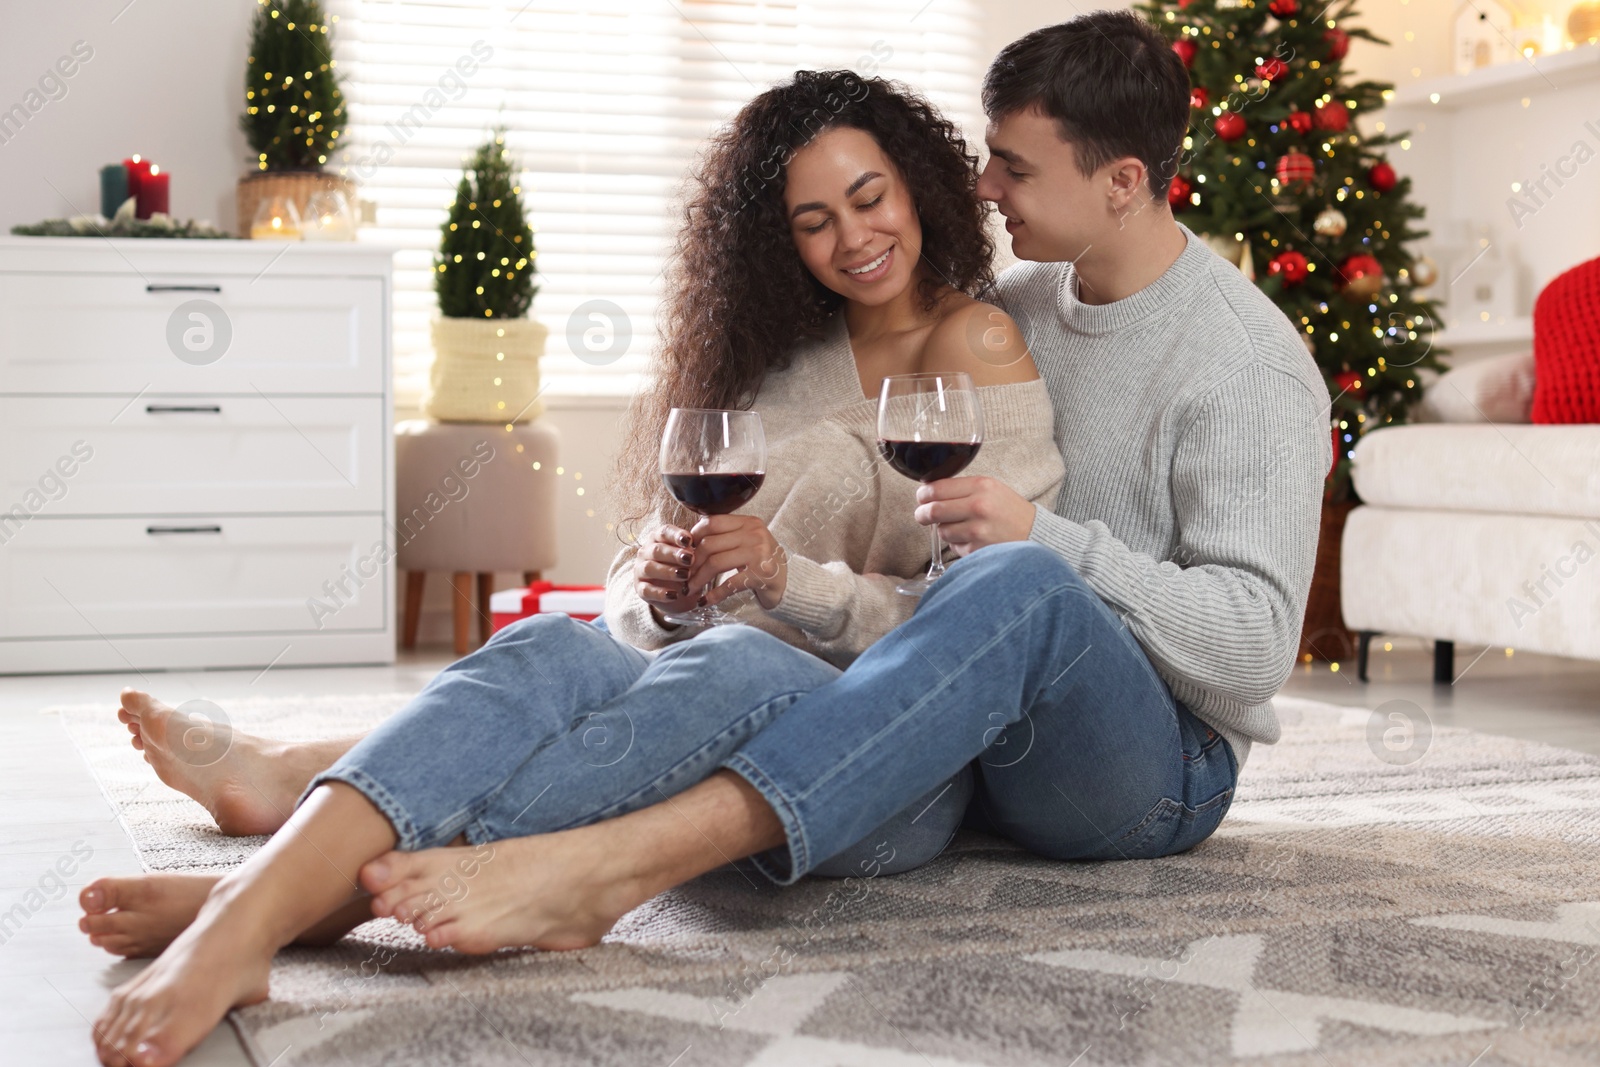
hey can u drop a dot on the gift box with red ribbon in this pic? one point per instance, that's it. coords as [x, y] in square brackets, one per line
[583, 602]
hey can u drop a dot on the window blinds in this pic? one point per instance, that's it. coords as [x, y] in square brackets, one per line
[605, 104]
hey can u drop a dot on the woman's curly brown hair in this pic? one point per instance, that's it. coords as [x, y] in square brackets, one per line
[738, 295]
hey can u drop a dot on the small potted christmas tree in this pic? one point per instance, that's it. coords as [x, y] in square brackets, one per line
[294, 112]
[486, 349]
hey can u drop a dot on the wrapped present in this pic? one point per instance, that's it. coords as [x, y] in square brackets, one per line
[583, 602]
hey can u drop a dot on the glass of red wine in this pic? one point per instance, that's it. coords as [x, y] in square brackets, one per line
[930, 426]
[713, 463]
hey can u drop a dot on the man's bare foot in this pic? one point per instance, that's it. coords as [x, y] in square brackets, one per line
[553, 891]
[140, 917]
[220, 962]
[248, 784]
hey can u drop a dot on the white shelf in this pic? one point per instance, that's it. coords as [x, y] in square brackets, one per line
[1506, 81]
[1466, 334]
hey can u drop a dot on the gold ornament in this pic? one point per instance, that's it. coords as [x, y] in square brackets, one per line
[1425, 272]
[1583, 24]
[1366, 286]
[1331, 223]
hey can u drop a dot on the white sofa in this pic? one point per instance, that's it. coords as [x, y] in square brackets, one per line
[1483, 533]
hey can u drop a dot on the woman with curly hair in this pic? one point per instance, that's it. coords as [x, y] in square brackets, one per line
[831, 238]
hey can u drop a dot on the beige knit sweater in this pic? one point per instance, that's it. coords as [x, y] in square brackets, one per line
[842, 514]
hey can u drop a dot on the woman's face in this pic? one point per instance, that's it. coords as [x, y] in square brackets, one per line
[852, 217]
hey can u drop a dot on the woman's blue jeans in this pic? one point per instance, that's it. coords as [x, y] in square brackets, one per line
[1013, 697]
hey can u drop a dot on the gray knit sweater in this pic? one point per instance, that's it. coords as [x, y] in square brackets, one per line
[1194, 427]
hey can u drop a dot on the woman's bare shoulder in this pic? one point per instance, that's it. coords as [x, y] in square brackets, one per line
[978, 338]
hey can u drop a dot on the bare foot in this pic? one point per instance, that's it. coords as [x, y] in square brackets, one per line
[248, 784]
[140, 917]
[554, 891]
[220, 962]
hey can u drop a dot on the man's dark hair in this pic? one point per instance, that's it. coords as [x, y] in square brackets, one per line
[1111, 82]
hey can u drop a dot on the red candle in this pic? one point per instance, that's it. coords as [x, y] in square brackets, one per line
[137, 168]
[153, 190]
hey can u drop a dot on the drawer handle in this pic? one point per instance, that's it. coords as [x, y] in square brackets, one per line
[183, 288]
[156, 531]
[183, 409]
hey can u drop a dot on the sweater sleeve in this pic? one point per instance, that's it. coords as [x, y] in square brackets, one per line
[844, 612]
[1224, 612]
[627, 615]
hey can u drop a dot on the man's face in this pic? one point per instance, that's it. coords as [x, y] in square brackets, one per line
[1053, 212]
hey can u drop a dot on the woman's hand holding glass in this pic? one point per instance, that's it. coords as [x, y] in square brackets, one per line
[662, 569]
[741, 544]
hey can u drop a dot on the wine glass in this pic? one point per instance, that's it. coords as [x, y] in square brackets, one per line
[930, 426]
[713, 462]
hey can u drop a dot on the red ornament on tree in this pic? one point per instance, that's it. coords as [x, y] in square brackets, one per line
[1186, 50]
[1299, 121]
[1178, 192]
[1271, 69]
[1363, 275]
[1382, 177]
[1338, 44]
[1290, 266]
[1229, 125]
[1350, 382]
[1295, 168]
[1332, 116]
[1284, 9]
[1198, 97]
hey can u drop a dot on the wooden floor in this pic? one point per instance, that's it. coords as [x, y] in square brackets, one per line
[52, 982]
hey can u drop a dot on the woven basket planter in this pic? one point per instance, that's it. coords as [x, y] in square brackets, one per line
[485, 370]
[297, 185]
[1324, 636]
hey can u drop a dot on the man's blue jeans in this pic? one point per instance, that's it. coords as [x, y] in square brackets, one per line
[1012, 687]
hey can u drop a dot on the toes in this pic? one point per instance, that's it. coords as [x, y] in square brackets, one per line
[397, 897]
[98, 896]
[100, 925]
[392, 868]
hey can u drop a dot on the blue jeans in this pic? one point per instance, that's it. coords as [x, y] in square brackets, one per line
[1013, 697]
[1012, 665]
[555, 723]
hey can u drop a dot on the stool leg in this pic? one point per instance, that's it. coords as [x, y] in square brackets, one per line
[415, 581]
[529, 577]
[461, 612]
[485, 591]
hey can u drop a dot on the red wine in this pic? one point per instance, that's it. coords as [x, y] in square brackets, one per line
[928, 461]
[713, 494]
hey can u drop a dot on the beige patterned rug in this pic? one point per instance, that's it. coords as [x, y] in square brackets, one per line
[1380, 894]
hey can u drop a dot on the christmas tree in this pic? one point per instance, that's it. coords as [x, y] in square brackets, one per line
[485, 266]
[294, 111]
[1276, 174]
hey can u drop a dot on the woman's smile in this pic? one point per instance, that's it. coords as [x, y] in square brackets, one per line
[872, 270]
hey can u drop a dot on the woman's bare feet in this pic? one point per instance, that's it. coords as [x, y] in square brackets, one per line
[248, 784]
[220, 962]
[140, 917]
[553, 891]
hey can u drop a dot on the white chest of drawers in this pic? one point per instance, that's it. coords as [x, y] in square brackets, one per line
[196, 455]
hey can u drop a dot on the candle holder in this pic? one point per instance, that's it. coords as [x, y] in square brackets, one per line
[277, 219]
[328, 217]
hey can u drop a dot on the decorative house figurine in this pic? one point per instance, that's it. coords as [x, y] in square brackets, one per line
[1484, 35]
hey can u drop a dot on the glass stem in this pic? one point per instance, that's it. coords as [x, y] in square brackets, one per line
[936, 567]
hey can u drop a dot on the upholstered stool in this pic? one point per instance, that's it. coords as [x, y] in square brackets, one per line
[472, 499]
